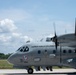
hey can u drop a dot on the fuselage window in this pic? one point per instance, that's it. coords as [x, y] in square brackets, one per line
[54, 51]
[45, 51]
[39, 51]
[75, 51]
[69, 51]
[64, 51]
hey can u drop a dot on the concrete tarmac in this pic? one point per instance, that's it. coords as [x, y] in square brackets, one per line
[24, 72]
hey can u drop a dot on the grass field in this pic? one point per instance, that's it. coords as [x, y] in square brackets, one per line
[5, 65]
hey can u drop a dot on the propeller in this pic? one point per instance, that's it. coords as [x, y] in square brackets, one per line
[55, 39]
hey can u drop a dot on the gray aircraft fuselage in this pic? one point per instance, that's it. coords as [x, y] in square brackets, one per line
[43, 54]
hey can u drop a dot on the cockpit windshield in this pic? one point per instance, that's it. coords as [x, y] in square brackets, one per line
[23, 49]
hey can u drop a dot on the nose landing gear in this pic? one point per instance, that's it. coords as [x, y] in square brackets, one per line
[30, 71]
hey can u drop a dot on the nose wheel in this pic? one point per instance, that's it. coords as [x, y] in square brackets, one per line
[30, 71]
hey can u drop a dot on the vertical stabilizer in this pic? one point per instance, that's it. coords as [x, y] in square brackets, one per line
[75, 26]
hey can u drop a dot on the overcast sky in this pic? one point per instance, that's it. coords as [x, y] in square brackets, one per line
[22, 20]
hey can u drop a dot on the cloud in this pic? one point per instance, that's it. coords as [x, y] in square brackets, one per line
[38, 23]
[10, 37]
[7, 25]
[4, 38]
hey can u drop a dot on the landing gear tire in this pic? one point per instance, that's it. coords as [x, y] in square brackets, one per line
[30, 71]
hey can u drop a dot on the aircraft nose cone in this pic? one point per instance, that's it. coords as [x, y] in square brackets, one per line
[11, 59]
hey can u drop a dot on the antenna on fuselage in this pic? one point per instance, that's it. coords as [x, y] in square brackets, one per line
[65, 31]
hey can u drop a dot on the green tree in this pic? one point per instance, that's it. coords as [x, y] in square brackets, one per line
[4, 56]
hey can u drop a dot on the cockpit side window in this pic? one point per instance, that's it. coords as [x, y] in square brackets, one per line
[26, 49]
[23, 49]
[19, 49]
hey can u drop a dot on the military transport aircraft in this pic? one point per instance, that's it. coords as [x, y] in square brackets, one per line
[37, 55]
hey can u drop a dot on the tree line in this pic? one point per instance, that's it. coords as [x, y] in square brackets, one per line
[4, 56]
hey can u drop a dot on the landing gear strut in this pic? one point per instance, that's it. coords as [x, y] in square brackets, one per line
[38, 68]
[30, 71]
[47, 68]
[51, 68]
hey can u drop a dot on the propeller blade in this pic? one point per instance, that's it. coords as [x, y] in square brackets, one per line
[55, 37]
[56, 43]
